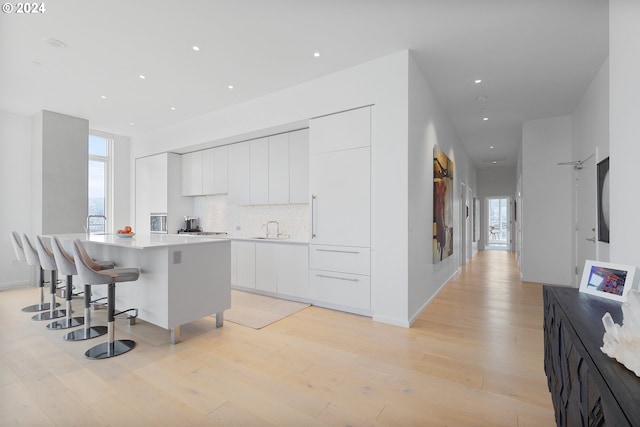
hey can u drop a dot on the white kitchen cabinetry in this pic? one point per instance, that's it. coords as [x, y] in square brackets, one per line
[259, 171]
[239, 183]
[343, 291]
[267, 267]
[279, 169]
[340, 187]
[282, 269]
[191, 174]
[158, 190]
[243, 264]
[278, 269]
[341, 131]
[299, 166]
[204, 172]
[220, 170]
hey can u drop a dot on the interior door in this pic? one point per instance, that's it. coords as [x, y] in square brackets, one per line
[586, 214]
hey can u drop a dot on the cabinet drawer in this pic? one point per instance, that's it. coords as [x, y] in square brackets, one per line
[346, 259]
[347, 290]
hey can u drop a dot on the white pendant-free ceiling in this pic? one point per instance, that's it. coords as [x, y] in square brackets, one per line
[134, 66]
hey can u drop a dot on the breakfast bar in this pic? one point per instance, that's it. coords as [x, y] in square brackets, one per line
[182, 278]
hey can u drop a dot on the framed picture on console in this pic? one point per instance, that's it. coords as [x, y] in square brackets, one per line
[606, 280]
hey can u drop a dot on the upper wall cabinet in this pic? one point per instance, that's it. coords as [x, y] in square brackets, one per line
[240, 173]
[299, 166]
[279, 169]
[343, 131]
[204, 172]
[214, 170]
[192, 174]
[270, 170]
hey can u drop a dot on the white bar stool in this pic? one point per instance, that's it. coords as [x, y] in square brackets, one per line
[19, 251]
[108, 277]
[66, 265]
[45, 259]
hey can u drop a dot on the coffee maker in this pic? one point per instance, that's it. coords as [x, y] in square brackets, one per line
[191, 224]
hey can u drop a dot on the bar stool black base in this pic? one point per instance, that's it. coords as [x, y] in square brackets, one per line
[48, 315]
[107, 349]
[66, 323]
[38, 307]
[86, 334]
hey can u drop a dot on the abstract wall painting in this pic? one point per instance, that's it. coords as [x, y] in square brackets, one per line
[442, 205]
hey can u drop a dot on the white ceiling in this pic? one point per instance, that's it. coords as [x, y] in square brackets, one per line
[535, 57]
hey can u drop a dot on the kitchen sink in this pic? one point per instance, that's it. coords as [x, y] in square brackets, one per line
[270, 238]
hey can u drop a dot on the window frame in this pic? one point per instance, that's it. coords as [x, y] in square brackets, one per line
[108, 174]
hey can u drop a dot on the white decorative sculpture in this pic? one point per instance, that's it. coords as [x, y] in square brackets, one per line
[623, 342]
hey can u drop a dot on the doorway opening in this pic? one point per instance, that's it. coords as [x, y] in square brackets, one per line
[498, 235]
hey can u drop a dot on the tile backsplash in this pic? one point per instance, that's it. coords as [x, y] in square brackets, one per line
[216, 214]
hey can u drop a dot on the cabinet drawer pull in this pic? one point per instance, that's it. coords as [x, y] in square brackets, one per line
[334, 250]
[336, 277]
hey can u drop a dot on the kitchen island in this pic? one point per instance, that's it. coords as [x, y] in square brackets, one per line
[182, 278]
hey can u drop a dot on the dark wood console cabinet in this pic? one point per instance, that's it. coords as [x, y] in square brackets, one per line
[587, 387]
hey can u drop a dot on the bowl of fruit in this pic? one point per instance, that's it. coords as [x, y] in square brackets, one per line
[125, 232]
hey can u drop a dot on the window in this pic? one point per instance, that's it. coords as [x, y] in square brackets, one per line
[98, 189]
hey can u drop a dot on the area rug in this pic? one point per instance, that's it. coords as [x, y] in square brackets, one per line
[258, 311]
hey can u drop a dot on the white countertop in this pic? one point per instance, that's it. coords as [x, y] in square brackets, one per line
[143, 241]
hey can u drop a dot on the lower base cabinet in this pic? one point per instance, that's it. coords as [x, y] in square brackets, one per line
[345, 291]
[243, 264]
[279, 269]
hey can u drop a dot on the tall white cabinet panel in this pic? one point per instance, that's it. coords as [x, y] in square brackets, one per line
[191, 173]
[341, 198]
[279, 169]
[158, 190]
[299, 166]
[220, 170]
[239, 184]
[343, 131]
[208, 171]
[259, 171]
[267, 267]
[243, 264]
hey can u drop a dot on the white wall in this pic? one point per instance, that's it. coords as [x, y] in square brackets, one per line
[494, 182]
[383, 83]
[428, 126]
[590, 131]
[15, 193]
[624, 146]
[547, 249]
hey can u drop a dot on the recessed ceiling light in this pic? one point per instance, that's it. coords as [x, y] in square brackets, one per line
[142, 76]
[131, 123]
[316, 54]
[173, 108]
[103, 97]
[485, 118]
[476, 81]
[230, 86]
[196, 48]
[495, 162]
[491, 146]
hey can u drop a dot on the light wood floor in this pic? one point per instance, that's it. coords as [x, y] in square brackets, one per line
[474, 358]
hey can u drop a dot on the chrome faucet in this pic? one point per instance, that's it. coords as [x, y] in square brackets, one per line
[95, 216]
[277, 227]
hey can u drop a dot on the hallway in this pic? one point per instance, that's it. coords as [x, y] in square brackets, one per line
[473, 358]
